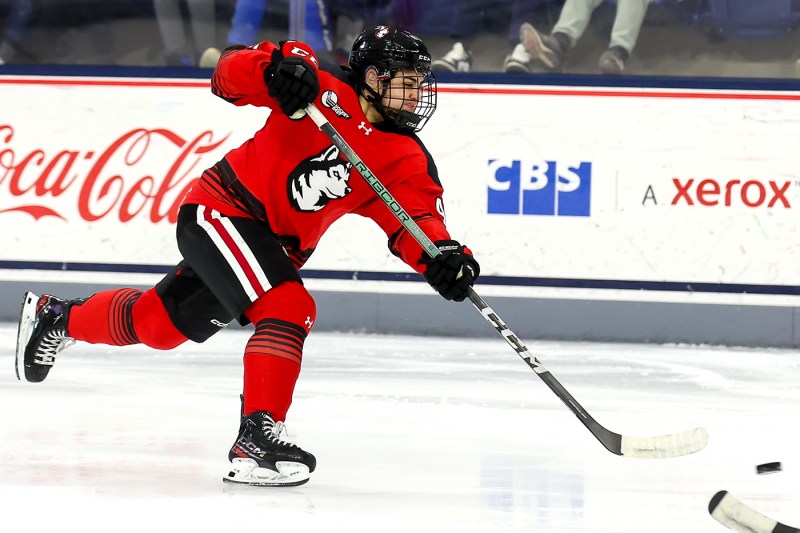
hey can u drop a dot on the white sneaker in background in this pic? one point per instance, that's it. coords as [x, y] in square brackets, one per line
[458, 59]
[518, 62]
[209, 58]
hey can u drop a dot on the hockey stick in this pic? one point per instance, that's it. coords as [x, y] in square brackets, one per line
[733, 514]
[672, 445]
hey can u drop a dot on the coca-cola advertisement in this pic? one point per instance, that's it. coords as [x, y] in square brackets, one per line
[96, 173]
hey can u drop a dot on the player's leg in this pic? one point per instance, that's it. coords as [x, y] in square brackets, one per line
[116, 317]
[49, 324]
[283, 317]
[245, 266]
[121, 317]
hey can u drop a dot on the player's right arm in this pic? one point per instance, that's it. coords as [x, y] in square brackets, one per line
[267, 75]
[451, 272]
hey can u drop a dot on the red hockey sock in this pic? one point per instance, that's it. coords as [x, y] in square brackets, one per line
[283, 317]
[124, 316]
[268, 380]
[105, 318]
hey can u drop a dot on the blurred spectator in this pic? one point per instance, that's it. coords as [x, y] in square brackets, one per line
[14, 31]
[84, 34]
[327, 26]
[551, 49]
[188, 46]
[464, 27]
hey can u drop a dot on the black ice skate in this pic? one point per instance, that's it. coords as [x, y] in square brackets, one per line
[41, 335]
[260, 457]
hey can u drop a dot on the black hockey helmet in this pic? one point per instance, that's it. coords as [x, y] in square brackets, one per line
[388, 50]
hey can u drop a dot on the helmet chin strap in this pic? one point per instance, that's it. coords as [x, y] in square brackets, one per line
[375, 98]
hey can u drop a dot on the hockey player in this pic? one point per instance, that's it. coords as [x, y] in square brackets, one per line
[252, 220]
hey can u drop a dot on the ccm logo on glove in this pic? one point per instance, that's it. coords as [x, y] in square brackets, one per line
[291, 78]
[453, 271]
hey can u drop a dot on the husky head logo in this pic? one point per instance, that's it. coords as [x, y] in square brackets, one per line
[318, 180]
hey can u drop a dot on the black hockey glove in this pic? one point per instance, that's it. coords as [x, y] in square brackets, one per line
[453, 271]
[292, 81]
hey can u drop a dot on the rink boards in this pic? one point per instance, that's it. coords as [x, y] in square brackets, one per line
[597, 213]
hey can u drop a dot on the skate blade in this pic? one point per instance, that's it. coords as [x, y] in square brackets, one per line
[247, 472]
[26, 322]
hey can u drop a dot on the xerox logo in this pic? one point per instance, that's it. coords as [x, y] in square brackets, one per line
[751, 193]
[536, 187]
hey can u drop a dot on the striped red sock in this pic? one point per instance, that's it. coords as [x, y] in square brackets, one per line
[105, 318]
[271, 366]
[124, 316]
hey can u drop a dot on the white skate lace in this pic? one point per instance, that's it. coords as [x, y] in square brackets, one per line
[54, 342]
[274, 430]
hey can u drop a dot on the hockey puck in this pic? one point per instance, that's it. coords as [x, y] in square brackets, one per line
[769, 468]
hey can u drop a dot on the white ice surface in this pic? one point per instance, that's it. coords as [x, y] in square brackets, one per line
[411, 434]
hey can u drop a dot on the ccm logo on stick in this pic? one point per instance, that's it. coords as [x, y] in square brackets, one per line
[535, 187]
[750, 193]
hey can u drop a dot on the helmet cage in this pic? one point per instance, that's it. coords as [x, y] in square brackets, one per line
[397, 113]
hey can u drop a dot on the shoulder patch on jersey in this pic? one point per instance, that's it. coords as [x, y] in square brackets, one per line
[331, 100]
[318, 180]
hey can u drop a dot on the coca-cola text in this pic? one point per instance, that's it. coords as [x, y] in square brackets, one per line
[107, 184]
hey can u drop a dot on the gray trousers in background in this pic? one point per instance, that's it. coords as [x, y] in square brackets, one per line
[576, 14]
[173, 32]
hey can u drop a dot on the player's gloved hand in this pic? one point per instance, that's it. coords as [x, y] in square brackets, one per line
[453, 271]
[291, 80]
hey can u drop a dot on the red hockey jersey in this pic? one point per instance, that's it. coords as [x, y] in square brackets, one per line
[293, 177]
